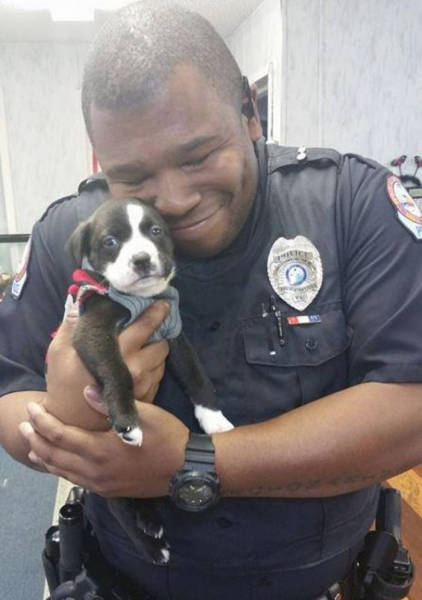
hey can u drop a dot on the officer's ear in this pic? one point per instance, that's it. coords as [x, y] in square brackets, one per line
[250, 109]
[78, 245]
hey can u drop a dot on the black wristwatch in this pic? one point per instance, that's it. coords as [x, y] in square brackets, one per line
[196, 486]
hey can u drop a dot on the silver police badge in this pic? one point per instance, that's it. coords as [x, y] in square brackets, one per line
[295, 271]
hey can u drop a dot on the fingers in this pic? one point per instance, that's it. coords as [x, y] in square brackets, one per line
[71, 314]
[100, 462]
[61, 351]
[65, 451]
[145, 390]
[54, 433]
[147, 366]
[134, 336]
[94, 460]
[48, 456]
[146, 359]
[138, 333]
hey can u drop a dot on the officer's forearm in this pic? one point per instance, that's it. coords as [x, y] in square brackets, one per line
[341, 443]
[12, 412]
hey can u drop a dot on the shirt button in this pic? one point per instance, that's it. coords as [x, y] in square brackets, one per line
[215, 325]
[311, 344]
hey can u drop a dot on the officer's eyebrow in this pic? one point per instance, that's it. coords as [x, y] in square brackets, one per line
[196, 142]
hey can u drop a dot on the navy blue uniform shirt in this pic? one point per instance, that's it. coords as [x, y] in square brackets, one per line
[369, 329]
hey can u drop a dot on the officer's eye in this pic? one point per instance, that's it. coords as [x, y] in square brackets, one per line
[197, 162]
[156, 230]
[110, 241]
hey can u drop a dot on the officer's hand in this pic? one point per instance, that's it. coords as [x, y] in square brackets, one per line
[67, 376]
[101, 462]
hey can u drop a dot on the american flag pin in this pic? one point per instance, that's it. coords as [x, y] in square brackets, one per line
[303, 319]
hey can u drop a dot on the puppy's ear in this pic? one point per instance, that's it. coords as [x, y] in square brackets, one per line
[78, 245]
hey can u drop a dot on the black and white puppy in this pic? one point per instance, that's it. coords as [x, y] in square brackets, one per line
[126, 247]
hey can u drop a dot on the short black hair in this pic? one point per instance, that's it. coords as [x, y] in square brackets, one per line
[136, 50]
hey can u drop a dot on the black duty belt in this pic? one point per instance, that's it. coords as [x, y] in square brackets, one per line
[76, 570]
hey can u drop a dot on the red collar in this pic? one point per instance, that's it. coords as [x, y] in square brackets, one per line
[85, 285]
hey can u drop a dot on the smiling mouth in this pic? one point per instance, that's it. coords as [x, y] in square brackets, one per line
[183, 228]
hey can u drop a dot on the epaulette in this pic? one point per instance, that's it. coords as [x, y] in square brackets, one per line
[285, 156]
[364, 160]
[92, 182]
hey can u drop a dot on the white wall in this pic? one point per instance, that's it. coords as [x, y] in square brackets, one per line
[257, 46]
[3, 225]
[350, 72]
[352, 76]
[47, 146]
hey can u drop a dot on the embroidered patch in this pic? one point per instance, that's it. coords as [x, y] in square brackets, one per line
[295, 271]
[408, 212]
[21, 274]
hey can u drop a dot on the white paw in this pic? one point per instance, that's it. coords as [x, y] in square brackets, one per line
[165, 556]
[132, 436]
[161, 558]
[212, 421]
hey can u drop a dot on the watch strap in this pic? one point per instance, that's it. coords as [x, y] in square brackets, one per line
[200, 453]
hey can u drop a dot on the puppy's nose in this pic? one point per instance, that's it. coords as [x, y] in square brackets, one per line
[141, 261]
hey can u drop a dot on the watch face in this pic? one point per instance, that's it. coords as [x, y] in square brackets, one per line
[194, 491]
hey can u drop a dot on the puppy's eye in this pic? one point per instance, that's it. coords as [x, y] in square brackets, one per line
[155, 230]
[110, 241]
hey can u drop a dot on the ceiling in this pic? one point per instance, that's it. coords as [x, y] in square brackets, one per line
[18, 25]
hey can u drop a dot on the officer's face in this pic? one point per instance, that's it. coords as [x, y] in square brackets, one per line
[187, 153]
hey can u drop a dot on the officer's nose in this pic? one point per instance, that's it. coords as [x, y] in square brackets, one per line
[141, 261]
[175, 195]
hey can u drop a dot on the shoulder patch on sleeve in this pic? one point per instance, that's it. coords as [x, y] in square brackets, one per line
[408, 212]
[21, 274]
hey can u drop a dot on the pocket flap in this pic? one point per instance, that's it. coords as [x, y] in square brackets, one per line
[305, 345]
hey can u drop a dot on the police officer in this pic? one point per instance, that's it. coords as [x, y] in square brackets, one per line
[300, 279]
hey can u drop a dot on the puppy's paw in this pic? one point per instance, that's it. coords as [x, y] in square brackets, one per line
[164, 557]
[160, 555]
[130, 435]
[126, 425]
[212, 421]
[155, 551]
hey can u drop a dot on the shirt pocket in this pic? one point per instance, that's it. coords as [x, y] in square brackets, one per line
[311, 361]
